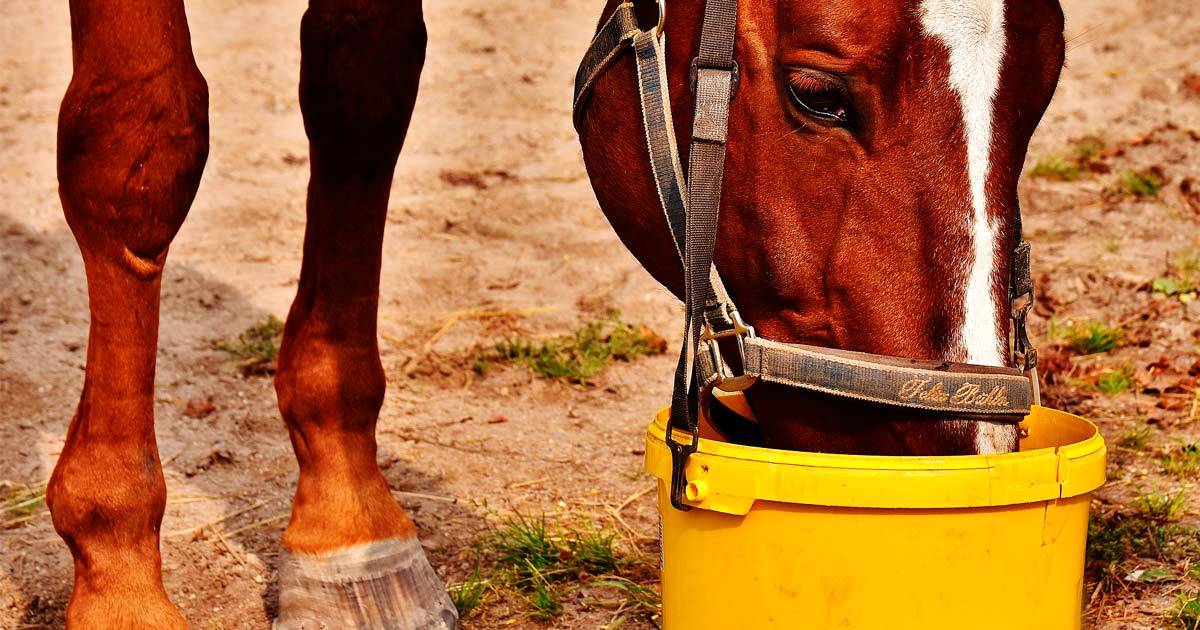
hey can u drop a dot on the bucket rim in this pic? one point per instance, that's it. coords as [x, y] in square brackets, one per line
[1066, 459]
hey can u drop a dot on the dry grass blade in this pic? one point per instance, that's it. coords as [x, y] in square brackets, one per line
[228, 547]
[199, 498]
[22, 503]
[421, 495]
[638, 536]
[262, 523]
[634, 497]
[526, 484]
[468, 314]
[191, 530]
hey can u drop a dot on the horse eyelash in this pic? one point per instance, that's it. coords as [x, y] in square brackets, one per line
[809, 84]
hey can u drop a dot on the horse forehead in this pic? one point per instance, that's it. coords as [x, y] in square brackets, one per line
[850, 27]
[873, 33]
[964, 25]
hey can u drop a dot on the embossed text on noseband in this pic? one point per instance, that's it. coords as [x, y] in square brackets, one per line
[967, 394]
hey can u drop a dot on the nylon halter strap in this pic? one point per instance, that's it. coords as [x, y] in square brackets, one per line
[712, 324]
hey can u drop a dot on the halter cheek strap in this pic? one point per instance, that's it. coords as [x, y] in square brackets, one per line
[712, 325]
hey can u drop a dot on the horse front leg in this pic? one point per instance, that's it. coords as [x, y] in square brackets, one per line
[350, 553]
[132, 143]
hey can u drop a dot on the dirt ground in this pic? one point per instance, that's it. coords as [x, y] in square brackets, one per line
[491, 210]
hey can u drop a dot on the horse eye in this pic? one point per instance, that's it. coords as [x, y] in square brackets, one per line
[820, 96]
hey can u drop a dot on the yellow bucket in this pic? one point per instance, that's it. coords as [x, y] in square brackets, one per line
[783, 539]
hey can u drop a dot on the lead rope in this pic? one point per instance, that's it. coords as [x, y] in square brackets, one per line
[714, 75]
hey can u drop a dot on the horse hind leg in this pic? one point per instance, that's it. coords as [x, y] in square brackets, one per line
[132, 143]
[350, 553]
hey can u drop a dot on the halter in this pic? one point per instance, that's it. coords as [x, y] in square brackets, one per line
[713, 328]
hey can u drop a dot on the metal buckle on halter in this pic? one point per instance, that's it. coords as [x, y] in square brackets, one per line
[740, 331]
[1025, 356]
[1023, 351]
[662, 19]
[1021, 299]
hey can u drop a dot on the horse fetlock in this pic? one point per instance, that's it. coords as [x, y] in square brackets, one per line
[342, 500]
[108, 504]
[323, 383]
[105, 603]
[384, 584]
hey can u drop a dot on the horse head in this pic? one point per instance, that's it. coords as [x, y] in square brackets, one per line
[870, 190]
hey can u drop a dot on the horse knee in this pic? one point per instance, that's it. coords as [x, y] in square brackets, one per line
[360, 67]
[131, 150]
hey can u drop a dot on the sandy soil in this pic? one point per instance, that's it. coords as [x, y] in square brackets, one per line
[491, 209]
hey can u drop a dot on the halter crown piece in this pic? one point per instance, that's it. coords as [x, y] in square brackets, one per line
[713, 329]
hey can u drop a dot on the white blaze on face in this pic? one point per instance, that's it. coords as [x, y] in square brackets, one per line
[973, 33]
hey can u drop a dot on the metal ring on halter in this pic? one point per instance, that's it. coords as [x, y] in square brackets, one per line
[662, 18]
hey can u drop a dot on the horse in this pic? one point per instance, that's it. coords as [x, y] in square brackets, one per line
[870, 195]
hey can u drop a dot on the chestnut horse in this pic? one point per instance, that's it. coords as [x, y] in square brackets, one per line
[874, 150]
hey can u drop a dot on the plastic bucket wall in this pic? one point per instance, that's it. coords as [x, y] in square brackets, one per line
[782, 539]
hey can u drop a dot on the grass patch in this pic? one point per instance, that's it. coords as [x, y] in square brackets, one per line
[545, 601]
[1143, 184]
[1182, 460]
[1116, 538]
[468, 595]
[578, 356]
[1115, 381]
[526, 545]
[257, 348]
[539, 562]
[1113, 539]
[1186, 613]
[1160, 506]
[1183, 278]
[637, 600]
[533, 549]
[1057, 168]
[1087, 336]
[1144, 530]
[592, 551]
[1087, 149]
[1135, 438]
[1074, 165]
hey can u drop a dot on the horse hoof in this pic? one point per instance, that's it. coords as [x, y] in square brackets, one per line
[382, 585]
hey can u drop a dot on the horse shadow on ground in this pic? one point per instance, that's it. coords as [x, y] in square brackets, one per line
[228, 463]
